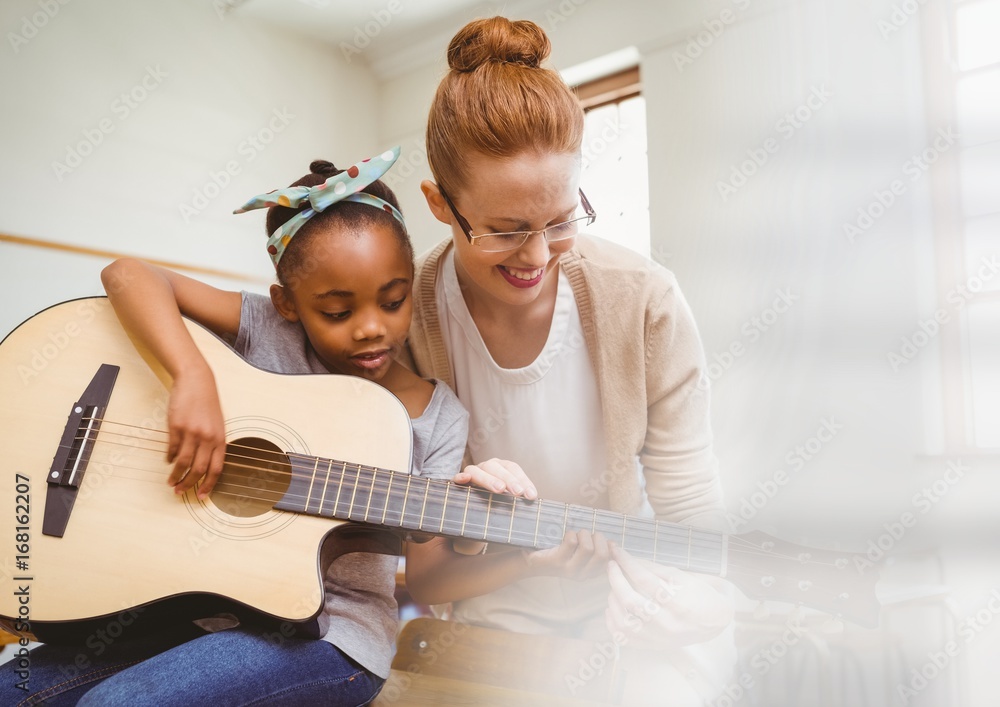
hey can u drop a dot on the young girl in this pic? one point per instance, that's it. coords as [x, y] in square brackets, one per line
[342, 305]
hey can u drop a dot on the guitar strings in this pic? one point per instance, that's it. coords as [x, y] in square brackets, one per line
[522, 537]
[281, 457]
[645, 532]
[644, 525]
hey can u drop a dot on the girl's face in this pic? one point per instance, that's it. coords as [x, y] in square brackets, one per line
[352, 297]
[529, 191]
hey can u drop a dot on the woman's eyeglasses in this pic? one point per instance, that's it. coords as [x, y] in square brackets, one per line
[498, 242]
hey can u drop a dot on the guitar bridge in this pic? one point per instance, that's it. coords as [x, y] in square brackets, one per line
[73, 454]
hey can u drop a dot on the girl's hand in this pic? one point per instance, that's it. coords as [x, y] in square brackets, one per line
[499, 476]
[197, 432]
[664, 607]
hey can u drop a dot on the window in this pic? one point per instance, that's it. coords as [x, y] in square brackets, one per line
[963, 89]
[615, 173]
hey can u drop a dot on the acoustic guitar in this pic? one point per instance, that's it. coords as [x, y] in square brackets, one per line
[91, 535]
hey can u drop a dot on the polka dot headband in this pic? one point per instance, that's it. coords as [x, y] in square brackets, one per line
[345, 186]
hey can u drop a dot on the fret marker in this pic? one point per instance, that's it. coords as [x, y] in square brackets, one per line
[388, 496]
[538, 517]
[486, 527]
[510, 531]
[406, 495]
[354, 493]
[326, 485]
[371, 491]
[465, 514]
[340, 487]
[427, 490]
[312, 481]
[444, 507]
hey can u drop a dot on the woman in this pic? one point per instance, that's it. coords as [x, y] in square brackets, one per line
[574, 357]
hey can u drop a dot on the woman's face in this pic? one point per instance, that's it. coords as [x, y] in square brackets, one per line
[529, 191]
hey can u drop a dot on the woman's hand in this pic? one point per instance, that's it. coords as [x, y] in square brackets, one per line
[197, 432]
[664, 607]
[581, 555]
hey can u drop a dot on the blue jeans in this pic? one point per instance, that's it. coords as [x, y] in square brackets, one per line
[187, 666]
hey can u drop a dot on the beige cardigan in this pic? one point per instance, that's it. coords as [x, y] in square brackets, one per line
[649, 361]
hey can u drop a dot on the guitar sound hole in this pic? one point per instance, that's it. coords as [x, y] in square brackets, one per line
[255, 476]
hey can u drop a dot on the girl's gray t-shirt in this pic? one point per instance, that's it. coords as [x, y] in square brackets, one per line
[360, 615]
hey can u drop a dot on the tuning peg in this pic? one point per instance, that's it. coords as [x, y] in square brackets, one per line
[761, 611]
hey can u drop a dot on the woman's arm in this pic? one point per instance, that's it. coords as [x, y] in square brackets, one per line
[679, 465]
[437, 574]
[149, 302]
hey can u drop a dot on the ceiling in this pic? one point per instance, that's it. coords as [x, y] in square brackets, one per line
[375, 28]
[393, 37]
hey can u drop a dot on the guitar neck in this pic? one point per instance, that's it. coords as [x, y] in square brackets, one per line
[346, 491]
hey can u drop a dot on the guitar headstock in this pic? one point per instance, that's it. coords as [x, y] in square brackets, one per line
[765, 567]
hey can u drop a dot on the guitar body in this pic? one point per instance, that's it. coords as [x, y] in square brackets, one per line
[130, 543]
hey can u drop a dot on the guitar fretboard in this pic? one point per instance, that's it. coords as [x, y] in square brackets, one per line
[346, 491]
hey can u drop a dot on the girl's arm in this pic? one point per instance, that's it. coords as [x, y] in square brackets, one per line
[149, 302]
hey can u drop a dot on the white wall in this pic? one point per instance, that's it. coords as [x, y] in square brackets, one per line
[211, 84]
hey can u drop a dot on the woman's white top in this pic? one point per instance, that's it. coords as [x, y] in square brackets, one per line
[546, 417]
